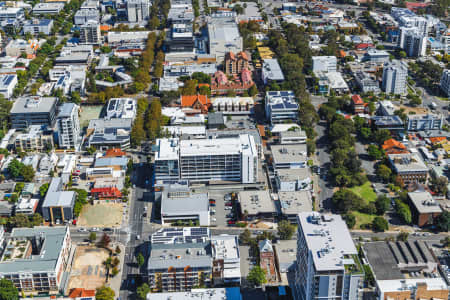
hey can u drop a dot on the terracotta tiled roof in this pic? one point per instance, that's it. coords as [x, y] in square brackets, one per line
[79, 292]
[364, 46]
[107, 192]
[114, 152]
[357, 100]
[188, 101]
[392, 146]
[438, 139]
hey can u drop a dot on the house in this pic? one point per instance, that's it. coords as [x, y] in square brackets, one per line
[358, 104]
[233, 105]
[393, 146]
[424, 208]
[267, 259]
[82, 294]
[106, 193]
[198, 103]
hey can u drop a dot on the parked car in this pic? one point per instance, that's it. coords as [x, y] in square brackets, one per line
[107, 229]
[82, 230]
[230, 215]
[214, 219]
[212, 204]
[228, 208]
[231, 222]
[212, 201]
[94, 229]
[228, 204]
[138, 237]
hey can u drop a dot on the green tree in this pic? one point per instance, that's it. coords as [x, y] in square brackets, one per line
[92, 237]
[14, 168]
[403, 211]
[382, 204]
[384, 172]
[402, 236]
[346, 200]
[27, 173]
[257, 276]
[8, 291]
[253, 91]
[140, 259]
[442, 222]
[142, 291]
[439, 185]
[20, 220]
[91, 150]
[245, 237]
[285, 230]
[104, 293]
[379, 224]
[189, 88]
[446, 242]
[374, 152]
[381, 135]
[350, 220]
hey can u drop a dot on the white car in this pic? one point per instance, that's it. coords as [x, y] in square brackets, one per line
[228, 208]
[214, 219]
[82, 230]
[213, 210]
[94, 229]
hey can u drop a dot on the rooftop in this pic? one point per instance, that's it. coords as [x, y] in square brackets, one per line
[424, 202]
[199, 294]
[195, 255]
[256, 202]
[293, 203]
[56, 196]
[180, 235]
[33, 104]
[293, 174]
[328, 240]
[272, 70]
[283, 154]
[404, 162]
[225, 247]
[41, 259]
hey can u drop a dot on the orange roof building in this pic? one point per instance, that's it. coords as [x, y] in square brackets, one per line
[115, 152]
[196, 102]
[438, 140]
[81, 293]
[358, 104]
[392, 146]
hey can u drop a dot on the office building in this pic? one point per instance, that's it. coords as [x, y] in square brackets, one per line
[90, 33]
[424, 122]
[271, 71]
[37, 26]
[324, 64]
[121, 108]
[405, 270]
[58, 204]
[181, 38]
[328, 265]
[445, 82]
[16, 47]
[413, 42]
[258, 205]
[48, 8]
[424, 208]
[409, 166]
[137, 10]
[226, 259]
[235, 63]
[289, 156]
[33, 110]
[179, 202]
[377, 56]
[127, 37]
[226, 159]
[281, 106]
[177, 265]
[223, 36]
[35, 259]
[7, 84]
[366, 83]
[395, 74]
[291, 180]
[113, 133]
[11, 13]
[35, 138]
[82, 16]
[68, 126]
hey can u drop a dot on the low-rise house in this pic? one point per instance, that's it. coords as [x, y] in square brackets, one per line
[392, 146]
[409, 166]
[111, 194]
[358, 104]
[233, 105]
[267, 260]
[26, 206]
[424, 208]
[196, 103]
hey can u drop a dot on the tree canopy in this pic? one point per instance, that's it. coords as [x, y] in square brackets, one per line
[257, 276]
[104, 293]
[8, 291]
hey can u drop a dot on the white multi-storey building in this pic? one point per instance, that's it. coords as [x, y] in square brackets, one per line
[137, 10]
[413, 42]
[203, 160]
[281, 106]
[445, 82]
[7, 84]
[327, 264]
[427, 122]
[90, 33]
[324, 64]
[395, 74]
[68, 126]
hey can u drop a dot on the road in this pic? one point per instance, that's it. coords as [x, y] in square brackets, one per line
[326, 189]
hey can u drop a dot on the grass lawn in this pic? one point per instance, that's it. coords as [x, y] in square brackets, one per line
[443, 98]
[365, 191]
[362, 218]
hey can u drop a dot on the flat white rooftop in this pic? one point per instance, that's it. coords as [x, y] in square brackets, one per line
[328, 239]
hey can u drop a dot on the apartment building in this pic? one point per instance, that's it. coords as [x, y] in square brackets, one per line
[35, 138]
[328, 265]
[413, 42]
[83, 16]
[11, 13]
[324, 64]
[235, 63]
[180, 259]
[424, 122]
[137, 10]
[233, 159]
[7, 84]
[395, 74]
[445, 82]
[226, 259]
[68, 126]
[33, 110]
[37, 26]
[281, 106]
[35, 259]
[90, 33]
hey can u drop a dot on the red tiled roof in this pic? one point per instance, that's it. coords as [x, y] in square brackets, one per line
[364, 46]
[107, 192]
[357, 100]
[80, 292]
[114, 152]
[188, 101]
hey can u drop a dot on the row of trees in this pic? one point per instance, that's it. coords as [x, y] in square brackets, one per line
[158, 14]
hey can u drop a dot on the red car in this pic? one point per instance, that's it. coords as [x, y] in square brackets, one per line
[231, 222]
[228, 204]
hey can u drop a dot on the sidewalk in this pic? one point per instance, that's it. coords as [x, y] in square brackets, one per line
[116, 281]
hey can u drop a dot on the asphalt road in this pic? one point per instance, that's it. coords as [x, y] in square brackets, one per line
[326, 189]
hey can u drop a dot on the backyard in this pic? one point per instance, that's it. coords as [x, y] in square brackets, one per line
[101, 215]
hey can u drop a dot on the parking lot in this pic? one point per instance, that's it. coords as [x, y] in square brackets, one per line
[221, 211]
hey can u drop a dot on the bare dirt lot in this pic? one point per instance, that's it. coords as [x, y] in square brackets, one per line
[101, 215]
[87, 270]
[417, 110]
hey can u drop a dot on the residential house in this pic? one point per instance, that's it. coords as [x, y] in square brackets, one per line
[267, 260]
[392, 146]
[358, 104]
[110, 194]
[198, 103]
